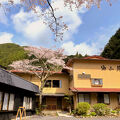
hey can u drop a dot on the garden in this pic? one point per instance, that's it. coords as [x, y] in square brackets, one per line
[84, 109]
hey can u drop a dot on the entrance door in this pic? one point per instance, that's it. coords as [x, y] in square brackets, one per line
[100, 98]
[51, 103]
[59, 103]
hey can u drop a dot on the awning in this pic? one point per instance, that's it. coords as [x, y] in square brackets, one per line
[95, 89]
[14, 80]
[56, 95]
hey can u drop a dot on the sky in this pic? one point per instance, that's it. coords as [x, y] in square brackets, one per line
[89, 30]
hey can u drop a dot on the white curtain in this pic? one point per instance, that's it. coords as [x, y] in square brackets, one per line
[1, 99]
[30, 103]
[119, 98]
[11, 102]
[25, 102]
[106, 98]
[5, 103]
[81, 98]
[87, 98]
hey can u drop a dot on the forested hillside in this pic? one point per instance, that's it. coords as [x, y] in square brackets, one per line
[10, 52]
[112, 49]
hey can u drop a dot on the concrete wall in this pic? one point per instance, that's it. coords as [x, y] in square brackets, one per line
[93, 100]
[63, 77]
[111, 78]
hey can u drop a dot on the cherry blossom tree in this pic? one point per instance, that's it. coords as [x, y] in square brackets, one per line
[42, 63]
[47, 11]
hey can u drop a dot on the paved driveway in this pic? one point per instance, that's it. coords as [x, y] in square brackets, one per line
[71, 118]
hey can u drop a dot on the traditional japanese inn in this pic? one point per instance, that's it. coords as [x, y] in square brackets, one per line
[92, 79]
[16, 92]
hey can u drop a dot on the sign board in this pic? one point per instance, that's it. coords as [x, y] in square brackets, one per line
[84, 76]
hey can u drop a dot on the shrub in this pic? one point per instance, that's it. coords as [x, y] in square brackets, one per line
[74, 112]
[100, 109]
[107, 111]
[118, 111]
[93, 114]
[83, 108]
[37, 111]
[113, 111]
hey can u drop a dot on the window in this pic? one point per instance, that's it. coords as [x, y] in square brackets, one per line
[48, 83]
[106, 99]
[97, 82]
[30, 103]
[24, 102]
[57, 83]
[53, 83]
[1, 95]
[103, 98]
[11, 102]
[84, 97]
[27, 103]
[5, 102]
[118, 98]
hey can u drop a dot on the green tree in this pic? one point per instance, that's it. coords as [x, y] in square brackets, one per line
[10, 52]
[68, 99]
[77, 55]
[112, 49]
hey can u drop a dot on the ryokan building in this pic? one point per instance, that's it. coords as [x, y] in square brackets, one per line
[92, 79]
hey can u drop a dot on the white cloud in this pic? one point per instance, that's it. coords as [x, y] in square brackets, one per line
[71, 18]
[5, 37]
[3, 17]
[96, 44]
[70, 48]
[34, 30]
[31, 27]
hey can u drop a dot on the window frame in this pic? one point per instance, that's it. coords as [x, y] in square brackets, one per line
[103, 96]
[96, 85]
[1, 101]
[27, 103]
[118, 98]
[6, 101]
[84, 97]
[108, 97]
[10, 95]
[50, 84]
[60, 83]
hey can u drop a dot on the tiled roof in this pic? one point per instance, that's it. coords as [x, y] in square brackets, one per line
[95, 89]
[95, 57]
[91, 58]
[19, 71]
[16, 81]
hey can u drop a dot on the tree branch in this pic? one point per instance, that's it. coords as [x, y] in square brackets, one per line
[53, 15]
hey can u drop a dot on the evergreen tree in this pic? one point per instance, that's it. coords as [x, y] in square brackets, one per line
[77, 55]
[112, 49]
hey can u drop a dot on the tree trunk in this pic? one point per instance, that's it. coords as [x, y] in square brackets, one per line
[70, 109]
[40, 101]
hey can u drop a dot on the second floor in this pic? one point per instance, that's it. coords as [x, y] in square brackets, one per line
[57, 83]
[85, 73]
[92, 73]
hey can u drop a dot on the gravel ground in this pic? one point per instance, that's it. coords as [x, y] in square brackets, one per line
[70, 118]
